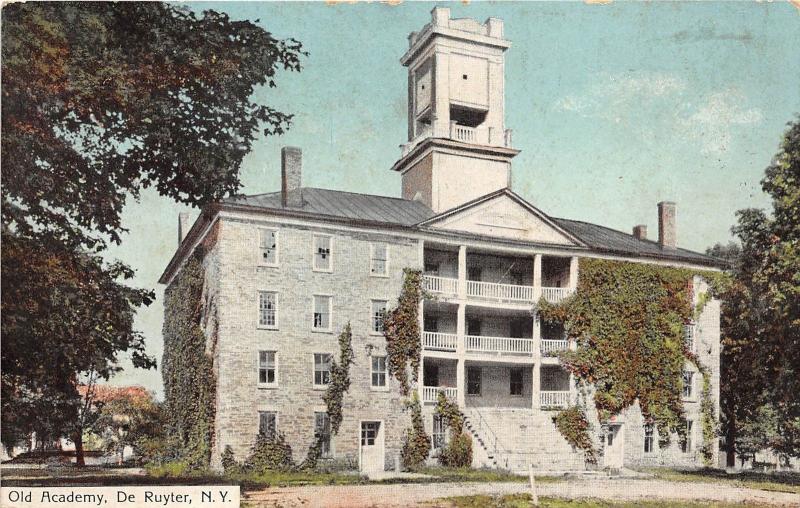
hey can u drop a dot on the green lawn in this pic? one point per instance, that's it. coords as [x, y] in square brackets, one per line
[773, 482]
[524, 500]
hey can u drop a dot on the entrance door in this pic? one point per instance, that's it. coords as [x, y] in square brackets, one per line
[614, 452]
[371, 455]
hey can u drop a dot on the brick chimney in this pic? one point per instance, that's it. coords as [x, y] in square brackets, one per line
[667, 234]
[640, 232]
[291, 177]
[184, 225]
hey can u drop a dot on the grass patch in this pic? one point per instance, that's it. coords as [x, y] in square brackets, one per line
[524, 500]
[772, 482]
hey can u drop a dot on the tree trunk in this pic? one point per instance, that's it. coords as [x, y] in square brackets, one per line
[78, 440]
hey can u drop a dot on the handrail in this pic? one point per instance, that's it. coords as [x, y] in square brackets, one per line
[484, 428]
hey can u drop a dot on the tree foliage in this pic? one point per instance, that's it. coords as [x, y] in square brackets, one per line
[761, 313]
[100, 101]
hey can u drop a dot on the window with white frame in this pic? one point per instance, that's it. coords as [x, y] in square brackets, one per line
[688, 336]
[379, 259]
[649, 438]
[378, 315]
[322, 369]
[688, 384]
[378, 371]
[266, 367]
[267, 309]
[268, 423]
[322, 312]
[322, 432]
[322, 252]
[686, 445]
[268, 246]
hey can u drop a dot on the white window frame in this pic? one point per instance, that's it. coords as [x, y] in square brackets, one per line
[258, 420]
[267, 384]
[372, 302]
[329, 453]
[314, 253]
[372, 271]
[258, 310]
[652, 438]
[314, 328]
[689, 333]
[261, 261]
[314, 384]
[385, 386]
[439, 433]
[690, 385]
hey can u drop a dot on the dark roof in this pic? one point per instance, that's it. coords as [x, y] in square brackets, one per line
[610, 240]
[404, 212]
[345, 205]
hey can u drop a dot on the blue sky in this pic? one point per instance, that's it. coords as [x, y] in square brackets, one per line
[615, 107]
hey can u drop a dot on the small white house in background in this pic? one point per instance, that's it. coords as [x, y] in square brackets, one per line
[289, 269]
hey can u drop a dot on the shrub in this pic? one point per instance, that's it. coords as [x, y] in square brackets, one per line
[458, 452]
[416, 443]
[270, 453]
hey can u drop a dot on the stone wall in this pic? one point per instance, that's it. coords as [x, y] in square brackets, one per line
[294, 397]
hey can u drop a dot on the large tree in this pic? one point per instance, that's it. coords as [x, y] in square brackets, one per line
[101, 101]
[761, 314]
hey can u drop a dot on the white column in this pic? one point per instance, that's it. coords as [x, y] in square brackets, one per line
[537, 277]
[573, 272]
[461, 382]
[536, 385]
[537, 332]
[462, 272]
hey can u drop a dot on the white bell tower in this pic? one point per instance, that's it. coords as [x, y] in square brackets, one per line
[458, 148]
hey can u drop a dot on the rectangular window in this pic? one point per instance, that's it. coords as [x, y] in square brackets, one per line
[322, 252]
[268, 245]
[516, 381]
[439, 434]
[267, 309]
[369, 431]
[268, 423]
[688, 388]
[378, 315]
[688, 337]
[322, 431]
[686, 445]
[322, 313]
[379, 259]
[648, 438]
[322, 369]
[266, 367]
[473, 380]
[378, 371]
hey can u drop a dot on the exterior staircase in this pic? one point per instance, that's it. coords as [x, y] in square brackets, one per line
[513, 439]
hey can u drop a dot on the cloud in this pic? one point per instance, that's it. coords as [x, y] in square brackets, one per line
[610, 92]
[712, 122]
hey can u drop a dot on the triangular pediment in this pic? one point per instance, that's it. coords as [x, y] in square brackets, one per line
[502, 214]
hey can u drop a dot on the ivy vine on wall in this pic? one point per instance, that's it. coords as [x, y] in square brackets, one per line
[628, 321]
[402, 331]
[458, 452]
[187, 365]
[416, 443]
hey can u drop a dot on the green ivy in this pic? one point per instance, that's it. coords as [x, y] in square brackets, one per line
[334, 394]
[458, 452]
[402, 332]
[628, 320]
[573, 424]
[416, 443]
[187, 366]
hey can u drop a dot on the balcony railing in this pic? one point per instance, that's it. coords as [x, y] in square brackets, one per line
[555, 295]
[483, 344]
[555, 399]
[550, 347]
[431, 393]
[444, 285]
[463, 133]
[439, 341]
[494, 291]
